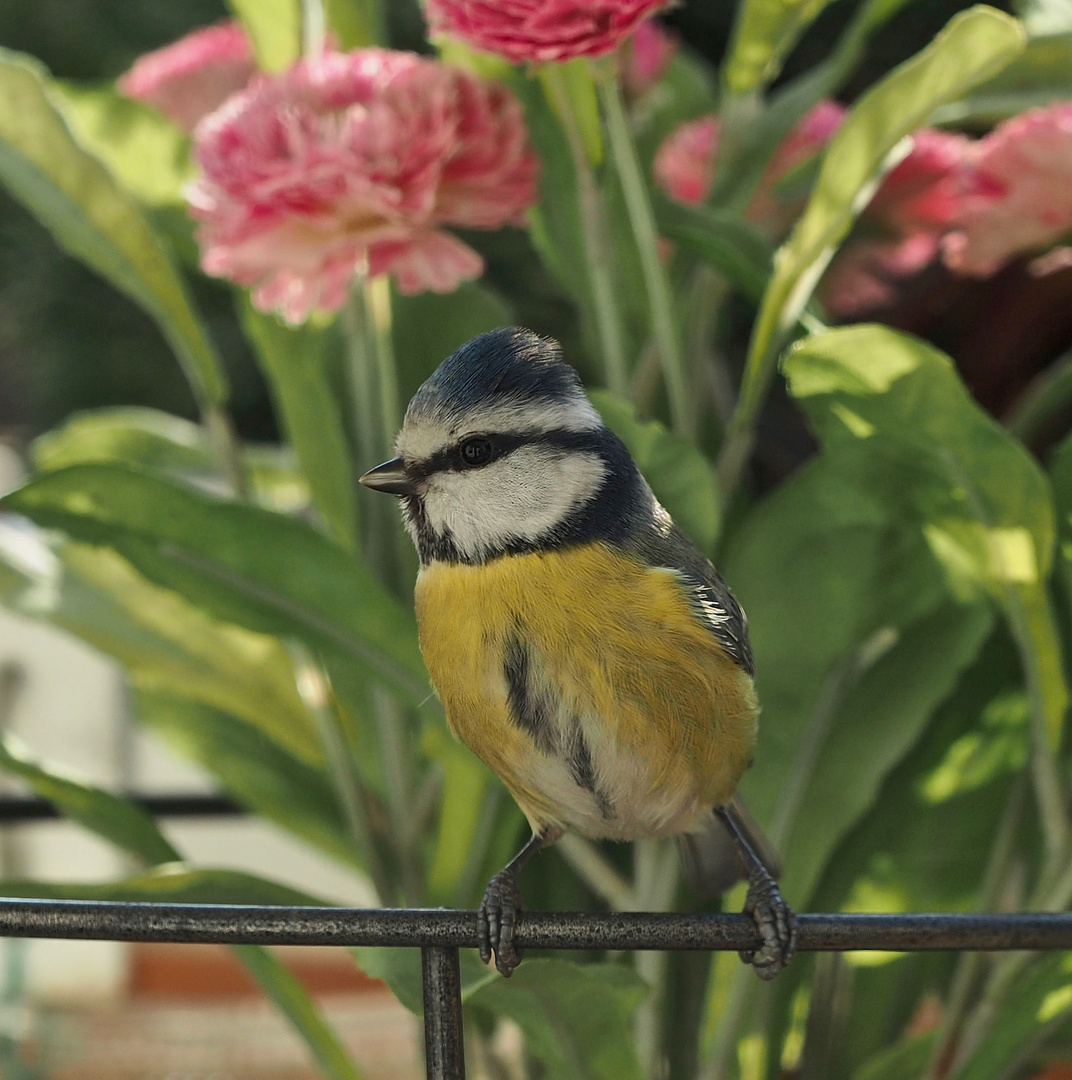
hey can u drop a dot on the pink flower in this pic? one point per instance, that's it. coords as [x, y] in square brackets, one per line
[646, 56]
[540, 30]
[900, 230]
[1021, 198]
[685, 163]
[189, 78]
[926, 190]
[348, 164]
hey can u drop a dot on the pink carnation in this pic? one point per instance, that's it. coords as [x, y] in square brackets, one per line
[540, 30]
[189, 78]
[346, 165]
[685, 163]
[1021, 198]
[646, 57]
[926, 190]
[900, 230]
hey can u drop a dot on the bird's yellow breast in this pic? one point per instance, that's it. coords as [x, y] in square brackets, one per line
[668, 719]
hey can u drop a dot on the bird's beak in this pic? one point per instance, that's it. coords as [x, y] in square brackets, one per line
[390, 477]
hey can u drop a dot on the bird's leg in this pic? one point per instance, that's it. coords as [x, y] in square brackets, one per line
[496, 920]
[773, 917]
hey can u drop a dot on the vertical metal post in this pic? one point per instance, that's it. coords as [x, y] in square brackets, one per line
[444, 1042]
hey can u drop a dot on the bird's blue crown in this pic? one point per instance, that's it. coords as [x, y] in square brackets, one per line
[508, 364]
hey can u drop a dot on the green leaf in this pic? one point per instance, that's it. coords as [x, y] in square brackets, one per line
[897, 695]
[925, 842]
[401, 970]
[842, 594]
[117, 820]
[145, 152]
[905, 1058]
[351, 23]
[150, 439]
[982, 502]
[164, 643]
[1040, 75]
[171, 646]
[170, 884]
[269, 573]
[465, 779]
[680, 476]
[274, 27]
[132, 435]
[973, 46]
[723, 240]
[1061, 479]
[1039, 998]
[292, 360]
[576, 1018]
[874, 389]
[764, 33]
[257, 771]
[289, 995]
[93, 218]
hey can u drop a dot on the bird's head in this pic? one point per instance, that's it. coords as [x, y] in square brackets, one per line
[501, 451]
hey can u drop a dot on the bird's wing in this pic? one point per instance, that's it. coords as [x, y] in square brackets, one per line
[661, 543]
[718, 610]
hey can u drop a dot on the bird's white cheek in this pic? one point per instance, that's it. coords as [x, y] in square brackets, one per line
[520, 497]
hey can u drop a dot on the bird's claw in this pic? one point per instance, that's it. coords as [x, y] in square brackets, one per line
[496, 922]
[777, 926]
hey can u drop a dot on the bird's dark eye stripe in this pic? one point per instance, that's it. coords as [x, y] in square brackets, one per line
[450, 458]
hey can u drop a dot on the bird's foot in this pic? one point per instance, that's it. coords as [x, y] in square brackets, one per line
[777, 926]
[496, 922]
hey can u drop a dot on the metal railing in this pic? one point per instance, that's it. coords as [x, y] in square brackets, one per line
[440, 933]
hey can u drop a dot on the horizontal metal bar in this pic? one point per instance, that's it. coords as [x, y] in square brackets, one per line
[239, 924]
[15, 809]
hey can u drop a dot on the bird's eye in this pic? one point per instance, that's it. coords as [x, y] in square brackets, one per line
[476, 452]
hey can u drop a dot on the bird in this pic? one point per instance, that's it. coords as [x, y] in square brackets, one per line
[580, 643]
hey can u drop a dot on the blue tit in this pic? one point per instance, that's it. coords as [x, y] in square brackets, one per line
[581, 645]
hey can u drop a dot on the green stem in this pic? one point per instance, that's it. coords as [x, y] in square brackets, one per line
[395, 753]
[314, 689]
[375, 409]
[593, 222]
[1048, 394]
[740, 996]
[226, 448]
[1053, 811]
[370, 438]
[377, 298]
[708, 294]
[844, 675]
[598, 873]
[483, 834]
[656, 881]
[971, 964]
[642, 220]
[313, 24]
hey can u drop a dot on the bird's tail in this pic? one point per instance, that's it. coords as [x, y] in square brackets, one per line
[712, 864]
